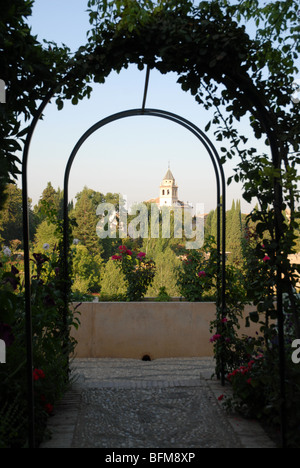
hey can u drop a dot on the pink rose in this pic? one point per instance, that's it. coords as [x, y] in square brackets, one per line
[215, 337]
[141, 255]
[201, 274]
[116, 257]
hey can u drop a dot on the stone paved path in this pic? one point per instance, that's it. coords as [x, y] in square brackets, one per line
[165, 403]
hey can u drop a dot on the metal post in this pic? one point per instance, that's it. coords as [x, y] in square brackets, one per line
[28, 318]
[146, 88]
[28, 314]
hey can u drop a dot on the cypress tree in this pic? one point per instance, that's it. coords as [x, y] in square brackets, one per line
[86, 220]
[234, 235]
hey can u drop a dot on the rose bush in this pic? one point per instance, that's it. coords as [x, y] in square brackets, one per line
[197, 276]
[51, 347]
[256, 390]
[139, 272]
[253, 365]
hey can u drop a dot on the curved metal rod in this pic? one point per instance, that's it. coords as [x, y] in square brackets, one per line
[213, 154]
[217, 168]
[28, 315]
[137, 112]
[146, 87]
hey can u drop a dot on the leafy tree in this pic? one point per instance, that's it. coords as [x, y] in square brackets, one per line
[113, 280]
[234, 231]
[167, 264]
[86, 220]
[87, 270]
[30, 70]
[46, 233]
[234, 234]
[84, 214]
[51, 198]
[208, 223]
[11, 220]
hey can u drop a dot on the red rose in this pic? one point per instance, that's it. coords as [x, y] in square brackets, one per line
[201, 274]
[141, 255]
[38, 374]
[49, 408]
[116, 257]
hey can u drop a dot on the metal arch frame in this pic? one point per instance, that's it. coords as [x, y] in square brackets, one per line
[28, 319]
[220, 182]
[219, 173]
[129, 113]
[206, 143]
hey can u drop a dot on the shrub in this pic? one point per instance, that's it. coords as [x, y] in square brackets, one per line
[51, 346]
[163, 295]
[138, 272]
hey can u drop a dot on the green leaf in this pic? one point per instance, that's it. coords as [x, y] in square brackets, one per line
[207, 126]
[254, 316]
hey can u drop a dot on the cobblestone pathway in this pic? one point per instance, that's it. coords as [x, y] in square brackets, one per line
[165, 403]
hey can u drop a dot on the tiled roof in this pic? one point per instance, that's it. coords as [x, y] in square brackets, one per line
[169, 175]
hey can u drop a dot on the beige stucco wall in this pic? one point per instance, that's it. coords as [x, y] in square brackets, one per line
[134, 329]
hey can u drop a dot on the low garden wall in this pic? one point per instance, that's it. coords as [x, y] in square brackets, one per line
[154, 329]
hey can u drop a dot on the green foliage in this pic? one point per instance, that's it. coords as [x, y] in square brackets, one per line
[11, 218]
[197, 276]
[229, 349]
[13, 423]
[218, 63]
[86, 270]
[163, 295]
[113, 281]
[86, 221]
[234, 232]
[51, 347]
[167, 264]
[256, 393]
[50, 197]
[29, 70]
[46, 235]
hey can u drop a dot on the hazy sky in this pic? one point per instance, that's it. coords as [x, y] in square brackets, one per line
[130, 156]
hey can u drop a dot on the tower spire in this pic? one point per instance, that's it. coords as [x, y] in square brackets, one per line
[168, 189]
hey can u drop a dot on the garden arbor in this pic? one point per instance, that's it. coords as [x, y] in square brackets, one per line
[204, 49]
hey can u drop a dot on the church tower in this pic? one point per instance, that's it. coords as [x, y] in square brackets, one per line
[168, 190]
